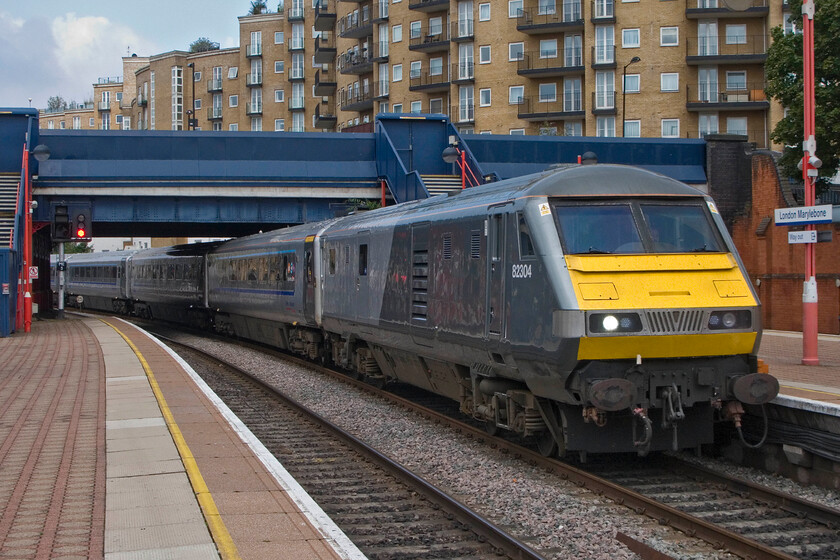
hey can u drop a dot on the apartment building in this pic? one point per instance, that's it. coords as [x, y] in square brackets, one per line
[637, 68]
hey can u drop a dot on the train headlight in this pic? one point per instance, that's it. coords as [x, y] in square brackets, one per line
[604, 323]
[723, 320]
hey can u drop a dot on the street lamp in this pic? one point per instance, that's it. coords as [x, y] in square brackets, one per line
[191, 121]
[633, 60]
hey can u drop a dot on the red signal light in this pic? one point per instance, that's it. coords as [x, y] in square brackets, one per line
[80, 233]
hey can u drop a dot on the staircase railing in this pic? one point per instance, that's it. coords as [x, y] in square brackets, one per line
[471, 170]
[402, 184]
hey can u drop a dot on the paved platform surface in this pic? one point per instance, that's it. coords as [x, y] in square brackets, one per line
[112, 448]
[783, 353]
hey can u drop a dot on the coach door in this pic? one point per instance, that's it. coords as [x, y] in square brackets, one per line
[495, 273]
[309, 279]
[362, 277]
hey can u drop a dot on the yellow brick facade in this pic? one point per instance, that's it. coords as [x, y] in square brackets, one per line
[501, 67]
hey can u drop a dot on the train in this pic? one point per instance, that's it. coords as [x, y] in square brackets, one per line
[588, 308]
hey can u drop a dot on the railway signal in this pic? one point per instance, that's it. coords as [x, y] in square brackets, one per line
[81, 225]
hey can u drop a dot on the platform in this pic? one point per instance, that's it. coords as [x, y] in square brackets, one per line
[113, 447]
[782, 351]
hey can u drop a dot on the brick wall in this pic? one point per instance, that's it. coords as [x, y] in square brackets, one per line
[776, 268]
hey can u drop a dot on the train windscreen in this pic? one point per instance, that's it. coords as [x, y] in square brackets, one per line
[634, 226]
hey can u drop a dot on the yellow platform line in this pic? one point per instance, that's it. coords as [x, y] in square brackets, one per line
[809, 390]
[224, 542]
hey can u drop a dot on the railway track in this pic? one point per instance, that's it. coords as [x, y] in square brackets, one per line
[731, 514]
[387, 511]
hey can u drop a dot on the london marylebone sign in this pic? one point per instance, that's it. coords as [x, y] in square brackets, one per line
[804, 215]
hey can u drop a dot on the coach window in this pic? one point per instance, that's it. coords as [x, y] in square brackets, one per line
[526, 246]
[363, 254]
[310, 272]
[332, 262]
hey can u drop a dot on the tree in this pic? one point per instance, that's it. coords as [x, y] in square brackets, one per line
[257, 7]
[785, 84]
[73, 248]
[56, 103]
[203, 44]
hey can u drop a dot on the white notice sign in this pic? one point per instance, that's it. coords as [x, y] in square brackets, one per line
[802, 236]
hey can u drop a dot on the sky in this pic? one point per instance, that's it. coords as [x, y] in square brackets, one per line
[56, 47]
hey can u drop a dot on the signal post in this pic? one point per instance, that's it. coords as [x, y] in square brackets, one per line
[70, 223]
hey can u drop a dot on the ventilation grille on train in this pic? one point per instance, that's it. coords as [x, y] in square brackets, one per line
[675, 322]
[419, 285]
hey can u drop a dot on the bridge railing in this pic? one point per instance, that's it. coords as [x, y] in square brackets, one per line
[404, 186]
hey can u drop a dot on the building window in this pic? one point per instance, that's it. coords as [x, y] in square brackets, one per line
[62, 125]
[548, 93]
[398, 107]
[91, 122]
[669, 82]
[574, 128]
[233, 72]
[279, 66]
[632, 129]
[670, 128]
[630, 38]
[736, 125]
[669, 36]
[605, 127]
[233, 101]
[416, 106]
[233, 127]
[436, 105]
[279, 95]
[414, 30]
[484, 54]
[514, 7]
[517, 132]
[736, 34]
[397, 73]
[484, 97]
[484, 11]
[631, 83]
[548, 48]
[736, 81]
[197, 104]
[279, 38]
[414, 70]
[256, 124]
[279, 125]
[196, 78]
[516, 51]
[436, 66]
[515, 94]
[396, 34]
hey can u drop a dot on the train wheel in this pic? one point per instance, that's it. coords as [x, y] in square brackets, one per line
[491, 428]
[546, 444]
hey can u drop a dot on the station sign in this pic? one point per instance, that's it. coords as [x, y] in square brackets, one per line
[802, 236]
[804, 215]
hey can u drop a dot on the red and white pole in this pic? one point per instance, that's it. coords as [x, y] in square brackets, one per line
[810, 308]
[27, 243]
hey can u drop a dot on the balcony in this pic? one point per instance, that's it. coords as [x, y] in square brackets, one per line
[351, 100]
[353, 62]
[297, 73]
[466, 113]
[428, 5]
[381, 89]
[253, 80]
[463, 72]
[104, 105]
[142, 100]
[429, 82]
[295, 13]
[253, 108]
[536, 19]
[716, 9]
[325, 50]
[742, 49]
[534, 109]
[325, 83]
[296, 44]
[743, 97]
[603, 11]
[462, 30]
[253, 50]
[430, 39]
[325, 15]
[214, 113]
[603, 57]
[536, 65]
[380, 11]
[214, 85]
[356, 25]
[325, 115]
[603, 103]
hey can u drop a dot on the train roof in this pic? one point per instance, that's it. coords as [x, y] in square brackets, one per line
[98, 258]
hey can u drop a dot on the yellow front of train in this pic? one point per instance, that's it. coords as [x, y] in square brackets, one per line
[662, 288]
